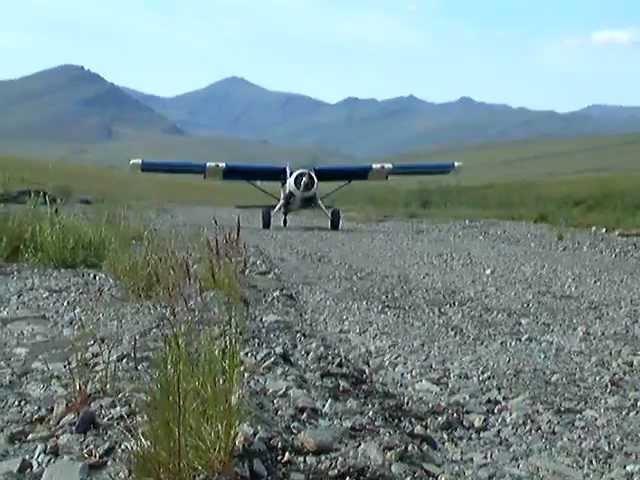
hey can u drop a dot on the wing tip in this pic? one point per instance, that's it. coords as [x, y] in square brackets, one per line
[135, 165]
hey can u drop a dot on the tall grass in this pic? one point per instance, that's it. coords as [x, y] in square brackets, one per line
[51, 238]
[606, 200]
[195, 406]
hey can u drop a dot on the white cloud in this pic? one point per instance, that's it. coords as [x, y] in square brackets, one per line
[624, 37]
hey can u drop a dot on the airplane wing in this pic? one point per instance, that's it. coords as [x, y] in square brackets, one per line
[326, 173]
[381, 171]
[213, 170]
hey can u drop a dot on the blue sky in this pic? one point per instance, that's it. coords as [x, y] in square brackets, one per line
[561, 54]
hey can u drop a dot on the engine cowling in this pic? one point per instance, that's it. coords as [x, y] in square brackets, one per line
[303, 183]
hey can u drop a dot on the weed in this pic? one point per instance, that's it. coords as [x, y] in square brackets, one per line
[195, 404]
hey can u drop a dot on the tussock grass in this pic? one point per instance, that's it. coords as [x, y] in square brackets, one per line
[611, 201]
[195, 406]
[51, 238]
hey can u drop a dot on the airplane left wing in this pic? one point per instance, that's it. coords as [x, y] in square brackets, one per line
[213, 170]
[381, 171]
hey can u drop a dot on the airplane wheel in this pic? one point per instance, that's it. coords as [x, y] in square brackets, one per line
[266, 218]
[334, 222]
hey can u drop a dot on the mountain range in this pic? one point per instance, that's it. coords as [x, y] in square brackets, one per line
[70, 104]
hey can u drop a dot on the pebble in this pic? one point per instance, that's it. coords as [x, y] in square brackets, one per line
[66, 469]
[320, 440]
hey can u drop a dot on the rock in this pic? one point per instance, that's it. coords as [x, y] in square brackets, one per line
[52, 447]
[59, 411]
[432, 470]
[69, 443]
[400, 470]
[372, 454]
[66, 469]
[319, 440]
[427, 386]
[303, 402]
[40, 436]
[106, 450]
[16, 435]
[259, 469]
[86, 421]
[633, 468]
[15, 465]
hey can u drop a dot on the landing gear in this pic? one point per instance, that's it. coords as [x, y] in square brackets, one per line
[334, 219]
[284, 221]
[266, 218]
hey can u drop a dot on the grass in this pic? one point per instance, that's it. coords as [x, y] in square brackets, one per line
[49, 238]
[569, 182]
[195, 405]
[612, 201]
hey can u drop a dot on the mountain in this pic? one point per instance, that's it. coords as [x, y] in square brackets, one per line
[370, 127]
[71, 113]
[70, 103]
[232, 106]
[69, 110]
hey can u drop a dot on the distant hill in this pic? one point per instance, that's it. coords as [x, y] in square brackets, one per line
[232, 106]
[71, 113]
[70, 103]
[369, 127]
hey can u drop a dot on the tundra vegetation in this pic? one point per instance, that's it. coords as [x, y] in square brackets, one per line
[195, 404]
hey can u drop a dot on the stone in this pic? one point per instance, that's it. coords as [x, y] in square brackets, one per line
[303, 401]
[319, 440]
[400, 470]
[86, 421]
[16, 435]
[372, 454]
[66, 469]
[14, 465]
[427, 386]
[431, 469]
[259, 469]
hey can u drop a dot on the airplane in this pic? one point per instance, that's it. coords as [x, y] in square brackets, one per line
[298, 188]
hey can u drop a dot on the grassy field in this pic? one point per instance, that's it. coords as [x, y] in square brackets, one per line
[591, 181]
[538, 159]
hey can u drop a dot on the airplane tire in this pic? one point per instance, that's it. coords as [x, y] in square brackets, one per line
[266, 218]
[334, 222]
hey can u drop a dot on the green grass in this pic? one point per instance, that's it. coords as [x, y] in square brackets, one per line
[576, 182]
[117, 186]
[195, 407]
[195, 404]
[612, 201]
[49, 238]
[541, 159]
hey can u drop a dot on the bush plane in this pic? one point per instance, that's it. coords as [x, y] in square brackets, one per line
[298, 188]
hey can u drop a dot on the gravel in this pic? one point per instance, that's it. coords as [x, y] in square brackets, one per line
[390, 350]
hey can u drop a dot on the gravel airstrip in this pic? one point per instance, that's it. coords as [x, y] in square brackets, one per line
[400, 349]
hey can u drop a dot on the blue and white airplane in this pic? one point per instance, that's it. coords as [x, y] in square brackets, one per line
[298, 188]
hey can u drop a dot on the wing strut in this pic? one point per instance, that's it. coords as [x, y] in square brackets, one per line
[348, 182]
[257, 187]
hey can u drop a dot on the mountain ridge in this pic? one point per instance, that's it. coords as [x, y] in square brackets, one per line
[367, 127]
[70, 103]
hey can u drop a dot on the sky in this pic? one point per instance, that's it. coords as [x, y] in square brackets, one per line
[542, 54]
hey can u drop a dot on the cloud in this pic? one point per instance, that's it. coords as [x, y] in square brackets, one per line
[622, 37]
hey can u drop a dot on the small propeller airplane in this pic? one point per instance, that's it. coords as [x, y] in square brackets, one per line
[298, 188]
